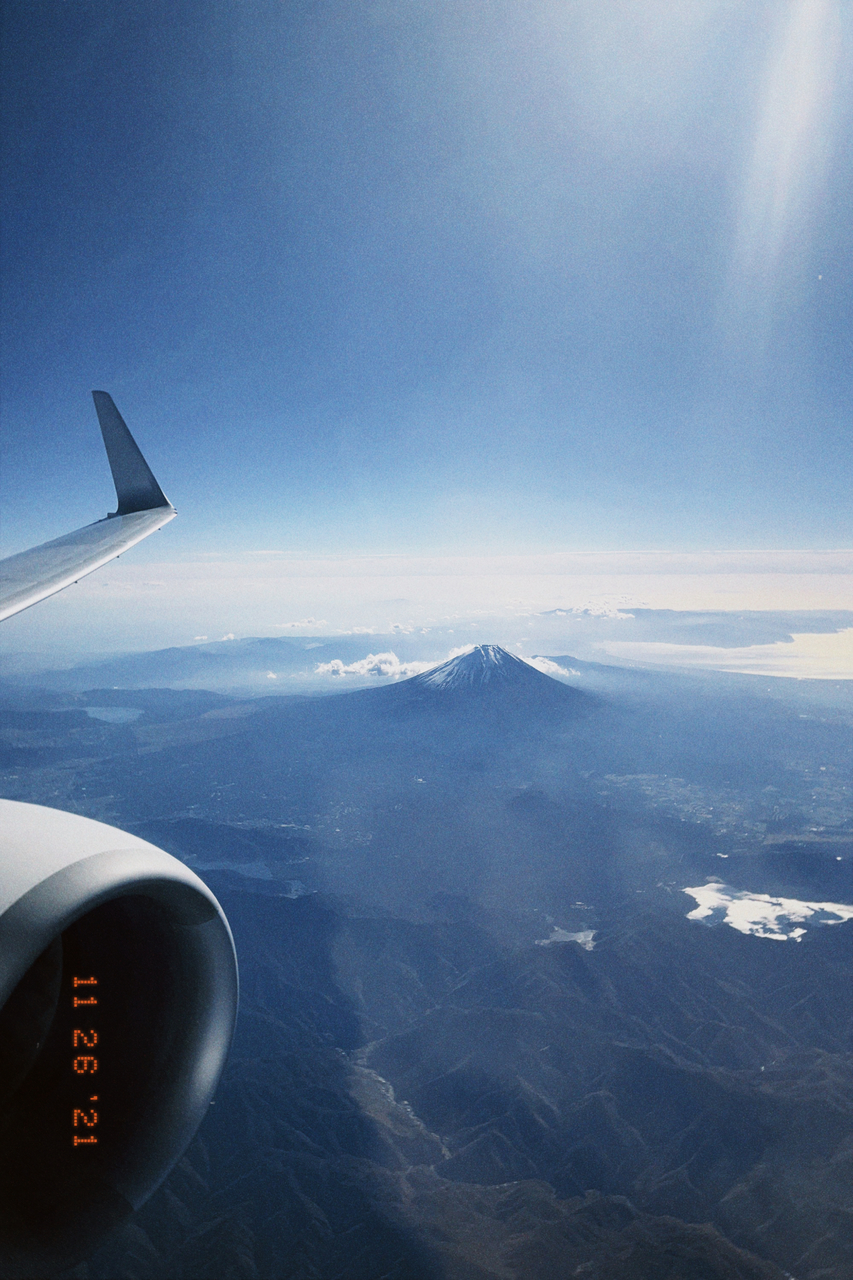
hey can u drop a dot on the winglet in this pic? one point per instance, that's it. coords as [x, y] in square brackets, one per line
[136, 488]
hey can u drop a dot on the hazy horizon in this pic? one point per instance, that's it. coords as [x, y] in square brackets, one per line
[400, 285]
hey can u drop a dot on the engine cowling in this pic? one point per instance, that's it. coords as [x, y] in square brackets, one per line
[118, 996]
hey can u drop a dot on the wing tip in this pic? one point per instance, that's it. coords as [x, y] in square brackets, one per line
[136, 487]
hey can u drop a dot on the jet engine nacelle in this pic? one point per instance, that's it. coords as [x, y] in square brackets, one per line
[118, 995]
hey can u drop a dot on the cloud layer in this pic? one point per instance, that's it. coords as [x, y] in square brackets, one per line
[120, 608]
[824, 657]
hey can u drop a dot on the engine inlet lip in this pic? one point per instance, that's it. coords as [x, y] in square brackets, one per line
[58, 868]
[31, 923]
[203, 937]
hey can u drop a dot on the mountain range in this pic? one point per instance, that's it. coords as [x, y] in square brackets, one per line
[480, 1038]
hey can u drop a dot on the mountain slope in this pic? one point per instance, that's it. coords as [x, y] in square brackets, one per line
[485, 676]
[484, 665]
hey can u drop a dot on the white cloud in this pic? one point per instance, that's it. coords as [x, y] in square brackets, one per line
[385, 665]
[549, 668]
[598, 609]
[303, 622]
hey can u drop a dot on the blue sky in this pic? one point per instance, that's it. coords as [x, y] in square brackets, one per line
[433, 277]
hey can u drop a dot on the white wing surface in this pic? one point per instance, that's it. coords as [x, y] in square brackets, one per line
[142, 508]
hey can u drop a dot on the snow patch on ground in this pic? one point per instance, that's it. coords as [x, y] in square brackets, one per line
[114, 715]
[760, 914]
[584, 938]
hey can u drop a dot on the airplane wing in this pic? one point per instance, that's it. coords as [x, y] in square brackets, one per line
[142, 508]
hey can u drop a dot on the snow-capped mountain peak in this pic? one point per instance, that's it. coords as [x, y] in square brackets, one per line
[485, 664]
